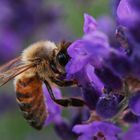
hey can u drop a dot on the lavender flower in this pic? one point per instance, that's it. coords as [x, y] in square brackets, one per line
[92, 48]
[97, 130]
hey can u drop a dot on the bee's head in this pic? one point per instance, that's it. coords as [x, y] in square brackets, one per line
[62, 57]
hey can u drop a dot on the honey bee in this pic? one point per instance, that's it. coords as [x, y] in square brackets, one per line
[41, 62]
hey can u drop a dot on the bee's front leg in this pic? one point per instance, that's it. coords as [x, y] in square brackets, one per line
[63, 83]
[64, 102]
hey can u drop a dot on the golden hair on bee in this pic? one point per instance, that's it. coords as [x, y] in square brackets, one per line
[42, 49]
[41, 62]
[38, 53]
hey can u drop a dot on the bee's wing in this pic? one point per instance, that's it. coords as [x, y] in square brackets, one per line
[12, 69]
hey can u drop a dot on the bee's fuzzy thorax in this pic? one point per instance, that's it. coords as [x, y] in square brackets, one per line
[42, 49]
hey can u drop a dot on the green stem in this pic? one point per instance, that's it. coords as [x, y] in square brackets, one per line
[123, 104]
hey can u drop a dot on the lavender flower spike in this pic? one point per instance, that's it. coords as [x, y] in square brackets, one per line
[91, 50]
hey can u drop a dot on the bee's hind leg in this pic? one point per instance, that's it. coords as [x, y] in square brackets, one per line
[75, 102]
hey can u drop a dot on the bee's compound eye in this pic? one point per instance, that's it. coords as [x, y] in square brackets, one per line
[62, 59]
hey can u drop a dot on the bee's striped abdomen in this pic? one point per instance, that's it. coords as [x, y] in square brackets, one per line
[31, 100]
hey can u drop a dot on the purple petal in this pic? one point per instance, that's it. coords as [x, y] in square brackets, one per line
[54, 110]
[92, 129]
[93, 78]
[134, 104]
[75, 65]
[79, 56]
[86, 129]
[126, 14]
[77, 48]
[83, 137]
[90, 24]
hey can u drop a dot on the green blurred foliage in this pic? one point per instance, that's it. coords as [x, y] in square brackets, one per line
[14, 127]
[74, 10]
